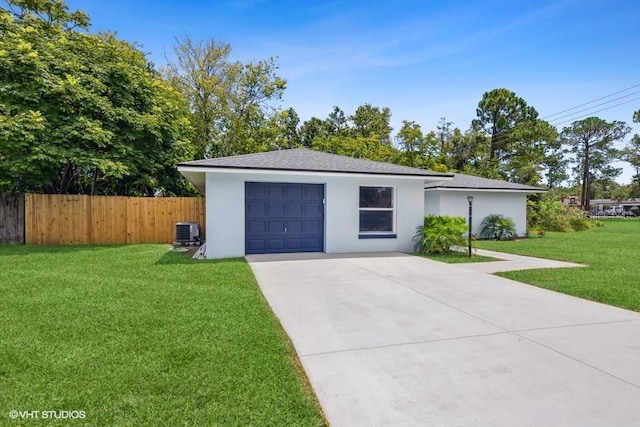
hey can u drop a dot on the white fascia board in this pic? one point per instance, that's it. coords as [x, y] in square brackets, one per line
[488, 190]
[310, 173]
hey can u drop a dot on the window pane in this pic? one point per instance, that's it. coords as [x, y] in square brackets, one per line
[376, 221]
[376, 197]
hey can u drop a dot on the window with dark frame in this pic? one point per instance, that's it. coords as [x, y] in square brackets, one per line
[377, 210]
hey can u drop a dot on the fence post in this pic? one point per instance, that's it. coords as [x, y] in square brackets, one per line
[12, 226]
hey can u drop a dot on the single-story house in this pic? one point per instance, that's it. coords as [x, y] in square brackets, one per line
[490, 196]
[301, 200]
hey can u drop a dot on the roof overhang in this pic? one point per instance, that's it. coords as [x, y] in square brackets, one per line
[488, 190]
[196, 178]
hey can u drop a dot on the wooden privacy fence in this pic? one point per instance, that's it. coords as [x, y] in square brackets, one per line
[60, 219]
[11, 218]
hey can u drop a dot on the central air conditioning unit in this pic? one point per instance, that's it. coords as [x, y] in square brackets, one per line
[187, 232]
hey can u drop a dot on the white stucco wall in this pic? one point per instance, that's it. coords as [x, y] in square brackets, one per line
[226, 223]
[432, 202]
[451, 202]
[224, 201]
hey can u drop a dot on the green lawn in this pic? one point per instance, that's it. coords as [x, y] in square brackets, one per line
[137, 335]
[611, 252]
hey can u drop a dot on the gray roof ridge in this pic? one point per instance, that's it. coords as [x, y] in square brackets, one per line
[304, 159]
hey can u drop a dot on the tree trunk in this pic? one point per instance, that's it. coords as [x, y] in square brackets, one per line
[64, 179]
[94, 182]
[494, 137]
[585, 201]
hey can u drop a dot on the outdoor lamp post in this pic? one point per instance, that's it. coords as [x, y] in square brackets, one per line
[470, 200]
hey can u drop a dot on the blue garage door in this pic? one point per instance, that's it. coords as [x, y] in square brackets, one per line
[283, 217]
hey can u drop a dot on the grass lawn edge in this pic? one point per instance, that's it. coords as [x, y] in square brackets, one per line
[294, 358]
[608, 274]
[456, 257]
[160, 323]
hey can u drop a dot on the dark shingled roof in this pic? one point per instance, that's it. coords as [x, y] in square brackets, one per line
[303, 160]
[476, 182]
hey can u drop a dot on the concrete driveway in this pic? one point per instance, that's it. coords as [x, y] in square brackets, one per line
[399, 340]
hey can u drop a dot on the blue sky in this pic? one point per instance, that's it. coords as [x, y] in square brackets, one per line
[422, 59]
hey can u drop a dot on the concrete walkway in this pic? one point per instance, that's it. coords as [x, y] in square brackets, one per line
[510, 262]
[392, 339]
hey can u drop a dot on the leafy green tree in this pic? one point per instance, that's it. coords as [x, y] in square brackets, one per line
[290, 121]
[556, 164]
[230, 102]
[560, 193]
[46, 14]
[204, 74]
[411, 141]
[444, 134]
[517, 137]
[365, 134]
[533, 150]
[310, 130]
[281, 131]
[634, 190]
[418, 150]
[620, 192]
[250, 107]
[591, 141]
[604, 188]
[631, 153]
[499, 113]
[371, 121]
[83, 113]
[337, 123]
[464, 151]
[358, 147]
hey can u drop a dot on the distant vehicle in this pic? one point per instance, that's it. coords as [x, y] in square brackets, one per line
[614, 211]
[610, 212]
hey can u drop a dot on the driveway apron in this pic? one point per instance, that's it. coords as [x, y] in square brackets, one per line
[397, 340]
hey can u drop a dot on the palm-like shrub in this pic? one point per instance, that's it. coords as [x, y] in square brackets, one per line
[498, 227]
[440, 233]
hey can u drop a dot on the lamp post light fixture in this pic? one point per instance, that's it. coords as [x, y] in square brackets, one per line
[470, 200]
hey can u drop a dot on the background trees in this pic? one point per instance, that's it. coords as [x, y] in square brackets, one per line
[631, 153]
[364, 134]
[88, 113]
[369, 121]
[230, 101]
[517, 140]
[591, 141]
[418, 150]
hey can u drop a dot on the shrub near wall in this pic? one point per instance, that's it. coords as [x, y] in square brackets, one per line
[498, 227]
[554, 216]
[440, 234]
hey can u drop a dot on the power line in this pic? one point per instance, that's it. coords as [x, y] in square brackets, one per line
[597, 111]
[594, 106]
[592, 101]
[502, 137]
[505, 136]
